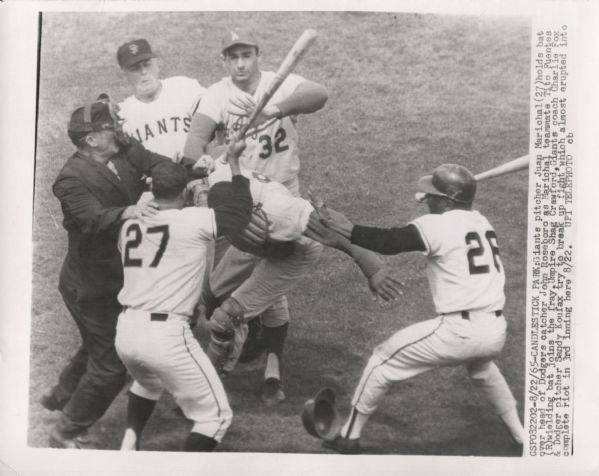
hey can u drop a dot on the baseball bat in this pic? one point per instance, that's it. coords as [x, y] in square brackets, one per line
[296, 52]
[504, 169]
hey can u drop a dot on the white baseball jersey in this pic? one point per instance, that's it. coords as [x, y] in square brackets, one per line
[272, 146]
[289, 215]
[162, 125]
[164, 258]
[464, 269]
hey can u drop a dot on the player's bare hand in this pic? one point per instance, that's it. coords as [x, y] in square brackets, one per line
[384, 286]
[234, 151]
[258, 230]
[340, 223]
[196, 192]
[241, 104]
[204, 166]
[329, 217]
[140, 211]
[324, 235]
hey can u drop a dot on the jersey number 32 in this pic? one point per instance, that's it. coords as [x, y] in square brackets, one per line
[134, 238]
[474, 262]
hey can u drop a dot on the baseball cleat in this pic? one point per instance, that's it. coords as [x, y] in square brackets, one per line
[271, 392]
[58, 440]
[49, 402]
[344, 446]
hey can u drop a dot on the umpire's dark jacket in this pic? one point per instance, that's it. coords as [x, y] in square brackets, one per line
[92, 199]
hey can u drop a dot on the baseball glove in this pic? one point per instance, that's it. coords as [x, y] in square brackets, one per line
[255, 237]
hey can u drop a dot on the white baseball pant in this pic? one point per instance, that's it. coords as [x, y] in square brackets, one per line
[447, 340]
[164, 354]
[262, 283]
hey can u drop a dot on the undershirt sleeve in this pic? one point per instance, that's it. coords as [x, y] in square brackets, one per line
[388, 241]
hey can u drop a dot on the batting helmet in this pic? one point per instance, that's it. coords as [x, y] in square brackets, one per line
[453, 181]
[320, 417]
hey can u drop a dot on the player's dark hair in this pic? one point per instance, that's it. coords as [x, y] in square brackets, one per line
[219, 194]
[168, 180]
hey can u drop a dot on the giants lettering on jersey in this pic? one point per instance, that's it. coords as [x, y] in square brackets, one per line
[162, 126]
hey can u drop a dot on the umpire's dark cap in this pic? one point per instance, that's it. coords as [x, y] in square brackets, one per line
[92, 118]
[238, 36]
[133, 52]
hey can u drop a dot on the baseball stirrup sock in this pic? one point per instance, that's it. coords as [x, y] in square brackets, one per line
[275, 338]
[355, 422]
[139, 410]
[199, 442]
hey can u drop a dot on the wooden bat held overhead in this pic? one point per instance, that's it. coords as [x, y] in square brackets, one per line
[509, 167]
[303, 43]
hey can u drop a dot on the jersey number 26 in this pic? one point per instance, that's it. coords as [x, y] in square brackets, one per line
[474, 265]
[134, 237]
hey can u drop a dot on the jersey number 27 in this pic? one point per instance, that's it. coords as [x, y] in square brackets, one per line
[474, 253]
[134, 237]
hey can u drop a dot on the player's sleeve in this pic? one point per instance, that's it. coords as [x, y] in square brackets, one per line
[430, 228]
[212, 102]
[293, 216]
[233, 216]
[194, 90]
[388, 241]
[143, 159]
[291, 83]
[204, 220]
[119, 244]
[205, 120]
[301, 96]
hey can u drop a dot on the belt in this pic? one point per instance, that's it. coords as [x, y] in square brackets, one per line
[158, 316]
[466, 314]
[154, 316]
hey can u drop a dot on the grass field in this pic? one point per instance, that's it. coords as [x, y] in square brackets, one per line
[407, 92]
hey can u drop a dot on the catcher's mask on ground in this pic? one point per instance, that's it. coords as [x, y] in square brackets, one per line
[448, 180]
[320, 417]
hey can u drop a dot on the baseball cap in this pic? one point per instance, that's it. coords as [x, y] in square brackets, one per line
[238, 36]
[453, 181]
[133, 52]
[92, 117]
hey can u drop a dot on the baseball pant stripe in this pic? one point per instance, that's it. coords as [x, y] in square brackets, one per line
[354, 414]
[403, 347]
[209, 385]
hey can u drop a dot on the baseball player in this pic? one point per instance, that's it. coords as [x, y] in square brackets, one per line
[282, 259]
[272, 150]
[159, 112]
[163, 260]
[466, 279]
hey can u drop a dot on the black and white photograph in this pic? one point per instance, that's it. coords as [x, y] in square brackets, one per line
[300, 233]
[378, 108]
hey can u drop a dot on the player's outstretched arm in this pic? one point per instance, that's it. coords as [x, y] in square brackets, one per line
[387, 241]
[380, 282]
[201, 132]
[307, 98]
[235, 214]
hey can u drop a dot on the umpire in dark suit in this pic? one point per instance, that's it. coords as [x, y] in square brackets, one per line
[98, 189]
